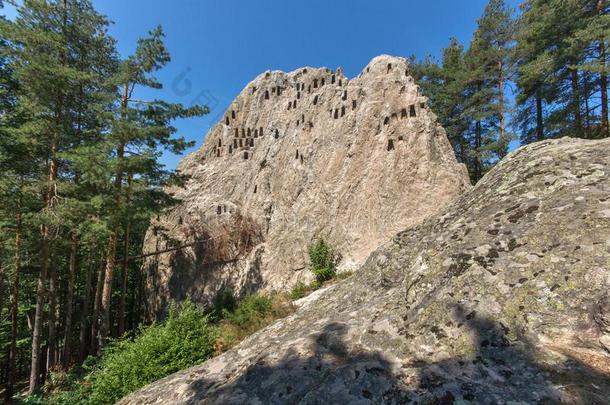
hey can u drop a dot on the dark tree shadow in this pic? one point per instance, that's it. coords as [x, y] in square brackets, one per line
[496, 371]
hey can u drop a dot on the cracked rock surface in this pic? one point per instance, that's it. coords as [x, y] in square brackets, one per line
[501, 297]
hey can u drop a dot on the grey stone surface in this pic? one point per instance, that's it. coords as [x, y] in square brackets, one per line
[500, 298]
[298, 156]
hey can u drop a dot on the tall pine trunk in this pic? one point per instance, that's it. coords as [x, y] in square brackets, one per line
[97, 303]
[539, 121]
[478, 167]
[104, 324]
[114, 236]
[125, 268]
[52, 323]
[576, 102]
[586, 103]
[11, 372]
[86, 311]
[603, 83]
[503, 151]
[44, 266]
[46, 234]
[603, 77]
[67, 352]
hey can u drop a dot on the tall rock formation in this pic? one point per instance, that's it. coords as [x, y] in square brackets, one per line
[502, 297]
[299, 156]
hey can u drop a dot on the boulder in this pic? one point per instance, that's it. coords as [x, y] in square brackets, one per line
[501, 297]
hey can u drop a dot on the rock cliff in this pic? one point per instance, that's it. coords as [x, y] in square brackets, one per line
[299, 156]
[501, 296]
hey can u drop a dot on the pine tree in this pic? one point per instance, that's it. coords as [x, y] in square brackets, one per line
[589, 42]
[468, 90]
[49, 41]
[140, 130]
[444, 87]
[561, 49]
[488, 67]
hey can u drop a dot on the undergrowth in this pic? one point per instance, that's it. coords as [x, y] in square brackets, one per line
[187, 337]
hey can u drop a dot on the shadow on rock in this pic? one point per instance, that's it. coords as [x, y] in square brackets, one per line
[496, 371]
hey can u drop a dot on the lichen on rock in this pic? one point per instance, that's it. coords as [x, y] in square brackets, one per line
[501, 297]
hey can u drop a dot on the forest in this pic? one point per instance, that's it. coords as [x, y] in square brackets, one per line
[81, 176]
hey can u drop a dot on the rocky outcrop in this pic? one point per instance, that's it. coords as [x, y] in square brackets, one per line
[298, 156]
[502, 296]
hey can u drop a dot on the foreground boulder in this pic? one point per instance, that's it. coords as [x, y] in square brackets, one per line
[299, 156]
[502, 296]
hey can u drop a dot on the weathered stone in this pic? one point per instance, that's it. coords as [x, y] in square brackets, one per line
[298, 156]
[602, 314]
[425, 321]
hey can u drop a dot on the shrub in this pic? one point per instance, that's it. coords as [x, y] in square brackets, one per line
[224, 303]
[322, 259]
[299, 291]
[253, 313]
[183, 340]
[249, 311]
[186, 338]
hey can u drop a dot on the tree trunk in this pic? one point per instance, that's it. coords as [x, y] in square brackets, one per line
[603, 83]
[603, 77]
[44, 267]
[52, 324]
[104, 325]
[586, 102]
[504, 148]
[124, 274]
[10, 380]
[66, 358]
[576, 102]
[85, 312]
[539, 121]
[478, 161]
[96, 310]
[46, 235]
[114, 236]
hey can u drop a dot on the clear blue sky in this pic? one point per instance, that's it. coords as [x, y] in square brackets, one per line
[217, 47]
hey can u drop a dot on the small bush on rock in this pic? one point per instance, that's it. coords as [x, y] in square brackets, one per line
[323, 261]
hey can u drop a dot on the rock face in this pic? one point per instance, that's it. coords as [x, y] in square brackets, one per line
[299, 156]
[502, 296]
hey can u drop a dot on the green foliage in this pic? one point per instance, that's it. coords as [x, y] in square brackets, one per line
[322, 259]
[467, 90]
[254, 312]
[299, 291]
[562, 61]
[224, 302]
[186, 338]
